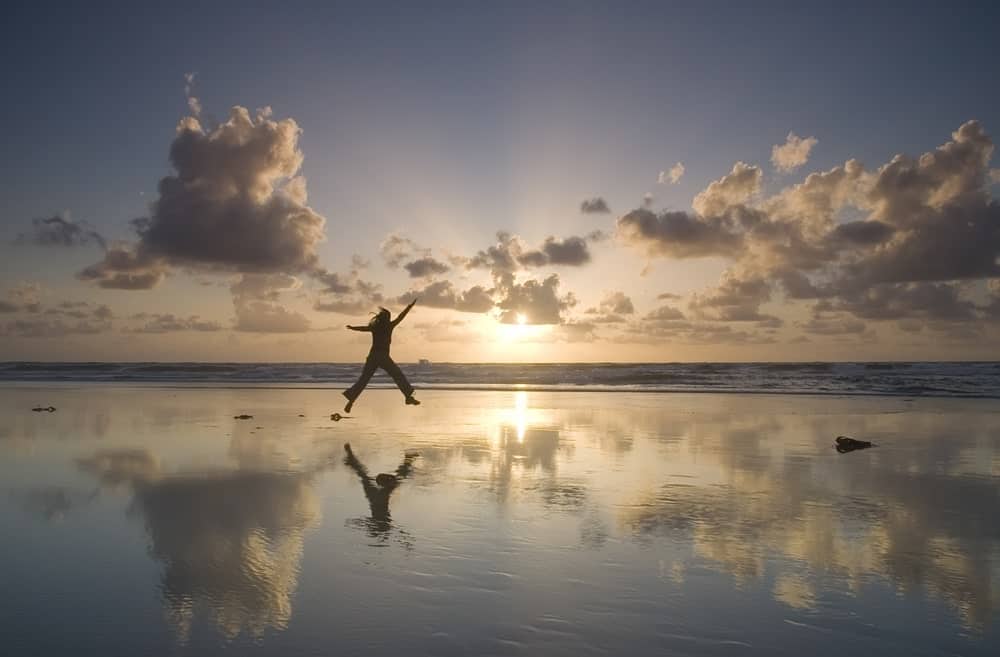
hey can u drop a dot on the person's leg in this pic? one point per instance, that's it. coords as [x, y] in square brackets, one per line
[352, 393]
[392, 369]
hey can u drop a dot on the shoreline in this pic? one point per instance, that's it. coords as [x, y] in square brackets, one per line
[541, 388]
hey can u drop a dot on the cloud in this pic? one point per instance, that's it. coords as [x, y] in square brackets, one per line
[396, 248]
[442, 294]
[425, 267]
[735, 299]
[678, 234]
[596, 205]
[193, 103]
[793, 153]
[235, 202]
[571, 252]
[737, 187]
[509, 253]
[672, 175]
[257, 311]
[664, 313]
[538, 302]
[612, 308]
[60, 231]
[169, 323]
[844, 326]
[347, 294]
[124, 269]
[892, 243]
[53, 328]
[22, 297]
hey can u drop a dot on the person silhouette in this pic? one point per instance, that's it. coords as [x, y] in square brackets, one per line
[380, 327]
[379, 490]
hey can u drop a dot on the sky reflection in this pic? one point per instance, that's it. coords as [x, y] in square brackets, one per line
[676, 498]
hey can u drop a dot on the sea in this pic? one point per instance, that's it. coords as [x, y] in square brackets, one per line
[907, 379]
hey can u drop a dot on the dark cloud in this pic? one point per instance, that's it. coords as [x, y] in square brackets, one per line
[59, 231]
[891, 244]
[571, 252]
[734, 300]
[442, 294]
[124, 269]
[596, 205]
[425, 267]
[235, 202]
[509, 253]
[679, 234]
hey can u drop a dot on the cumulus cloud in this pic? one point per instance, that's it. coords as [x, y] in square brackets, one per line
[60, 231]
[613, 308]
[893, 243]
[442, 294]
[347, 294]
[510, 254]
[793, 153]
[672, 175]
[571, 252]
[538, 302]
[596, 205]
[255, 299]
[677, 234]
[736, 299]
[235, 202]
[425, 267]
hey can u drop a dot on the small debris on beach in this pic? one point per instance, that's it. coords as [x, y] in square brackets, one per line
[243, 417]
[44, 409]
[301, 415]
[337, 417]
[845, 444]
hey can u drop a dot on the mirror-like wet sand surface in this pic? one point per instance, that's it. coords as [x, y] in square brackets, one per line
[149, 521]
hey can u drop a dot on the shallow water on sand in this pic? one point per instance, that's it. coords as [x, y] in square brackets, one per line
[149, 521]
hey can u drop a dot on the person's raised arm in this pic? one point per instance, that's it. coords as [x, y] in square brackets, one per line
[367, 329]
[401, 315]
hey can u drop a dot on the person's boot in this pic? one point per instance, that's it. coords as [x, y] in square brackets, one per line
[412, 401]
[350, 403]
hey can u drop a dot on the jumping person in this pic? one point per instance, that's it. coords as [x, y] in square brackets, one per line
[380, 327]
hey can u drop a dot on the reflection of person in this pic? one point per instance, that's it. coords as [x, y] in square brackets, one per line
[378, 493]
[380, 327]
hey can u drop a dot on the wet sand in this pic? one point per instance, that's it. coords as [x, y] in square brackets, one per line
[143, 520]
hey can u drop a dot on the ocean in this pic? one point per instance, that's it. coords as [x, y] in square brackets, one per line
[908, 379]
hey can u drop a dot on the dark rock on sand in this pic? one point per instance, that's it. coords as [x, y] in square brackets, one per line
[845, 444]
[44, 409]
[243, 417]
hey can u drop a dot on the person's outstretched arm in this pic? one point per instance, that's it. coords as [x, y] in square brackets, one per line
[351, 460]
[406, 467]
[367, 329]
[401, 315]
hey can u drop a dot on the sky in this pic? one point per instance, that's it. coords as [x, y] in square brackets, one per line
[554, 181]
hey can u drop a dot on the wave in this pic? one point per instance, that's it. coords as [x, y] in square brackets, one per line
[924, 379]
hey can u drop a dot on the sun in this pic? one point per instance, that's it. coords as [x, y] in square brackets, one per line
[522, 319]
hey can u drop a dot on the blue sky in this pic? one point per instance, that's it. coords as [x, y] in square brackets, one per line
[448, 122]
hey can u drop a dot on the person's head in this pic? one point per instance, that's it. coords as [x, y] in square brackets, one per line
[381, 317]
[387, 481]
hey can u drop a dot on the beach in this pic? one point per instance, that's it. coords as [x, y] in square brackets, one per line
[146, 519]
